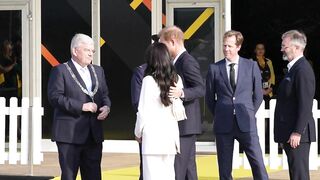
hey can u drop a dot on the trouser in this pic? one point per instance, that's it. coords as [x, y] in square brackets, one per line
[251, 146]
[87, 157]
[185, 162]
[158, 167]
[298, 160]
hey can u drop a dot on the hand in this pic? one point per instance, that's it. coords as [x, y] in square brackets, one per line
[267, 91]
[175, 92]
[104, 111]
[294, 140]
[90, 107]
[138, 139]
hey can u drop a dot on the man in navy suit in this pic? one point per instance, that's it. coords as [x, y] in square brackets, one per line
[78, 92]
[189, 71]
[234, 95]
[294, 126]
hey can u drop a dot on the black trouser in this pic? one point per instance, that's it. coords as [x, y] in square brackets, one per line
[185, 162]
[141, 165]
[298, 160]
[87, 157]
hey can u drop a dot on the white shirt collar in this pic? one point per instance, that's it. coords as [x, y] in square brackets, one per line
[78, 67]
[291, 63]
[229, 62]
[178, 55]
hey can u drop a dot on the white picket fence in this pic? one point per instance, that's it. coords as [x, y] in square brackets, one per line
[273, 159]
[29, 116]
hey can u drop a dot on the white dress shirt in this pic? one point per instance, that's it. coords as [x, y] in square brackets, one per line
[291, 63]
[85, 75]
[236, 66]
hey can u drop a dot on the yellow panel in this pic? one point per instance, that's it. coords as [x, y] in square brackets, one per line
[102, 41]
[135, 3]
[198, 23]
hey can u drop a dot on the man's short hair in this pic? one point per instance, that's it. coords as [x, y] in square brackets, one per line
[78, 39]
[237, 34]
[296, 37]
[172, 32]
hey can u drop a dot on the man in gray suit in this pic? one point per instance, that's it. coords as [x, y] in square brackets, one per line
[234, 95]
[189, 71]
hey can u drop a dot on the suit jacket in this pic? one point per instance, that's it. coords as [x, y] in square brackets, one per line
[189, 71]
[244, 102]
[156, 123]
[293, 111]
[70, 123]
[136, 83]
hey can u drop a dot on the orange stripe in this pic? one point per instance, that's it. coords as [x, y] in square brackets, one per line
[164, 20]
[48, 56]
[147, 3]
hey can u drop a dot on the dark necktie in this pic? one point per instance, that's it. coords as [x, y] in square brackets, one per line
[232, 76]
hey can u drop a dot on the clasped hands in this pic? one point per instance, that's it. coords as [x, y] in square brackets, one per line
[92, 107]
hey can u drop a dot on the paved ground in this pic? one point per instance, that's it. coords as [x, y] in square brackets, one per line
[50, 166]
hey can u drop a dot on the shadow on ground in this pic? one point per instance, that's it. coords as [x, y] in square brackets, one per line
[25, 177]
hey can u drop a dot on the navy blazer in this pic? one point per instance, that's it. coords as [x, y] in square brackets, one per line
[293, 111]
[70, 123]
[244, 102]
[189, 71]
[136, 83]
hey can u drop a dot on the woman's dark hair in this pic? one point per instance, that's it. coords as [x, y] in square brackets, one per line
[160, 67]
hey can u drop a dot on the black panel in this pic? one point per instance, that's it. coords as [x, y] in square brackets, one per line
[127, 34]
[60, 21]
[266, 20]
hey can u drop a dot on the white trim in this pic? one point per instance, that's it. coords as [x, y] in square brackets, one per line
[95, 28]
[227, 14]
[218, 18]
[156, 16]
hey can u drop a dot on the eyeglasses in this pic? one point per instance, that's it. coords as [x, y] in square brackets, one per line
[87, 50]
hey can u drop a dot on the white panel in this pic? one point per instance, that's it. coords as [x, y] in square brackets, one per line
[3, 112]
[13, 111]
[24, 130]
[237, 160]
[313, 157]
[37, 112]
[274, 160]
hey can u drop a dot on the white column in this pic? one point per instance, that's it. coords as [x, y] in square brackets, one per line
[227, 15]
[95, 29]
[156, 16]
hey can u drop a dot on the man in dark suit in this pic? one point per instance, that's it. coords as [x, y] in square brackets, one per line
[78, 92]
[189, 71]
[234, 95]
[136, 83]
[294, 126]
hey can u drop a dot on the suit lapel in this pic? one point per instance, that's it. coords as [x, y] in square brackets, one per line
[93, 80]
[223, 72]
[177, 64]
[241, 74]
[75, 72]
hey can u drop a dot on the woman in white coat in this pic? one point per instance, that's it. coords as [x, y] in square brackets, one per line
[156, 125]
